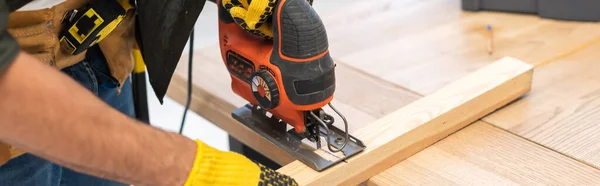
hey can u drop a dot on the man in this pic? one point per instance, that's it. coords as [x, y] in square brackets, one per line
[75, 138]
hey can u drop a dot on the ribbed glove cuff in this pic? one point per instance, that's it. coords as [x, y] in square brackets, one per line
[215, 167]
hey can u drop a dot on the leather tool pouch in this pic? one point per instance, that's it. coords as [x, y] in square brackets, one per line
[4, 153]
[118, 49]
[37, 33]
[7, 152]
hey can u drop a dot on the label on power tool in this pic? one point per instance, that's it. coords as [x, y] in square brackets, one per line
[263, 67]
[239, 66]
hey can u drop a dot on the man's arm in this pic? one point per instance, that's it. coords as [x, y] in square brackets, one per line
[48, 114]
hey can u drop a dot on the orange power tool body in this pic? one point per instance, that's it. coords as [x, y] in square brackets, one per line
[291, 77]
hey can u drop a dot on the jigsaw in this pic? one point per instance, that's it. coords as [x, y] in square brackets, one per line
[287, 80]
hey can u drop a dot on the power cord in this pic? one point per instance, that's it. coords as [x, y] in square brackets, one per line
[189, 88]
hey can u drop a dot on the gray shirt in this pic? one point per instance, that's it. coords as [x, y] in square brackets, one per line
[9, 48]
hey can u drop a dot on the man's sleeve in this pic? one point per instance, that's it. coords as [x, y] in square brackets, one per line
[9, 48]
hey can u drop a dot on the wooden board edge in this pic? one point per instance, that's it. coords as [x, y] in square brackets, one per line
[410, 129]
[205, 104]
[491, 156]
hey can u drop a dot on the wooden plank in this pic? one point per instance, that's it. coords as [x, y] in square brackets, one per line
[563, 111]
[360, 97]
[412, 128]
[482, 154]
[425, 44]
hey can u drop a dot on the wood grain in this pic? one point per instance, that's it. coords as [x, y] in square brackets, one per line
[563, 111]
[424, 45]
[360, 97]
[482, 154]
[416, 126]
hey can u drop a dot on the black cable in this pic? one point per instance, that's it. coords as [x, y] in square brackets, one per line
[189, 92]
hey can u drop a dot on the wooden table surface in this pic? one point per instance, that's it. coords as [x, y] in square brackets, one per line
[392, 52]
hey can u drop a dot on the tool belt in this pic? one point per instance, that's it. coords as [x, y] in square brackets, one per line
[47, 35]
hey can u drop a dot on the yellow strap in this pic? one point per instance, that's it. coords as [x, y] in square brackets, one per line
[126, 5]
[116, 22]
[138, 61]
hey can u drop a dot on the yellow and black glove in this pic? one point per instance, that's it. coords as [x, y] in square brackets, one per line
[215, 167]
[253, 15]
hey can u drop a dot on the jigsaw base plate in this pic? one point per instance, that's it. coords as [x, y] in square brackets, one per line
[276, 132]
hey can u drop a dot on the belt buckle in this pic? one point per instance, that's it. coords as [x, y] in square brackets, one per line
[69, 16]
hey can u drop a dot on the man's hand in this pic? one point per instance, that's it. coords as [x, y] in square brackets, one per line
[271, 177]
[214, 167]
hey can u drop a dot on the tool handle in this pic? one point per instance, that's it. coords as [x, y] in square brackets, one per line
[300, 50]
[299, 32]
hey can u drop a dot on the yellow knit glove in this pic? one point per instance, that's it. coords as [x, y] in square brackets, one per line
[253, 16]
[215, 167]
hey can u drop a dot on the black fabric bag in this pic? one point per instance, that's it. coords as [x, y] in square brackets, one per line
[162, 30]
